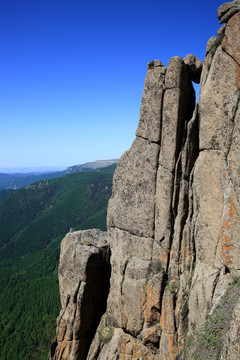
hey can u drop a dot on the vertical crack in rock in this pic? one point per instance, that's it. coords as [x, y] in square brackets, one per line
[228, 179]
[180, 164]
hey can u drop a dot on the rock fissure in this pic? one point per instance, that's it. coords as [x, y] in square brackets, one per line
[215, 285]
[130, 233]
[208, 149]
[235, 60]
[146, 139]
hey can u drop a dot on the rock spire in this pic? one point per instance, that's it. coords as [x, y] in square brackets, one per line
[173, 224]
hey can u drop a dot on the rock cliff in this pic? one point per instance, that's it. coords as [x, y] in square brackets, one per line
[173, 224]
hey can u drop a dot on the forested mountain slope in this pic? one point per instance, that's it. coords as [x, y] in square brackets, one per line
[33, 221]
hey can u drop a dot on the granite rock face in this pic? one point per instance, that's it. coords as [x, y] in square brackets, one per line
[173, 223]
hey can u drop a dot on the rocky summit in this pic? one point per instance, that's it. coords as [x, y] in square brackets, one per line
[164, 281]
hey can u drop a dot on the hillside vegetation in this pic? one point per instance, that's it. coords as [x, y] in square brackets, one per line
[5, 193]
[33, 221]
[17, 181]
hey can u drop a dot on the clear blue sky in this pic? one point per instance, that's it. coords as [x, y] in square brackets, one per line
[72, 72]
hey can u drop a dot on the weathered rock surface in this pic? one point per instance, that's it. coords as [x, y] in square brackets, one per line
[84, 273]
[134, 189]
[173, 222]
[227, 10]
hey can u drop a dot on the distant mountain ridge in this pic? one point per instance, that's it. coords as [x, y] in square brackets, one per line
[90, 166]
[19, 180]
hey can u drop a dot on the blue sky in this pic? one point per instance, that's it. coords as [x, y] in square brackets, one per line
[72, 72]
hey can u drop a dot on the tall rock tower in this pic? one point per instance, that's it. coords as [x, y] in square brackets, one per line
[173, 224]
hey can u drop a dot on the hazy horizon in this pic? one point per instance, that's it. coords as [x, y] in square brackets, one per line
[14, 170]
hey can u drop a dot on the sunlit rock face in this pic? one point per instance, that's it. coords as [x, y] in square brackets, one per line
[173, 223]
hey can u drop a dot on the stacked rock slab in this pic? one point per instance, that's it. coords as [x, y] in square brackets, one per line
[173, 218]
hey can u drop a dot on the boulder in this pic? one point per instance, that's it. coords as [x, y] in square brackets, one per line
[194, 66]
[84, 272]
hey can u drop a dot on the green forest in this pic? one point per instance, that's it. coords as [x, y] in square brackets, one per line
[33, 221]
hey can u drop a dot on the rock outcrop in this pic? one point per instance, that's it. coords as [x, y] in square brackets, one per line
[84, 273]
[173, 223]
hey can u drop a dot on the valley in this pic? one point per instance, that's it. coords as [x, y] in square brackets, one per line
[33, 221]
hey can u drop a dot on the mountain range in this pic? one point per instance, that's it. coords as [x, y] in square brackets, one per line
[18, 180]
